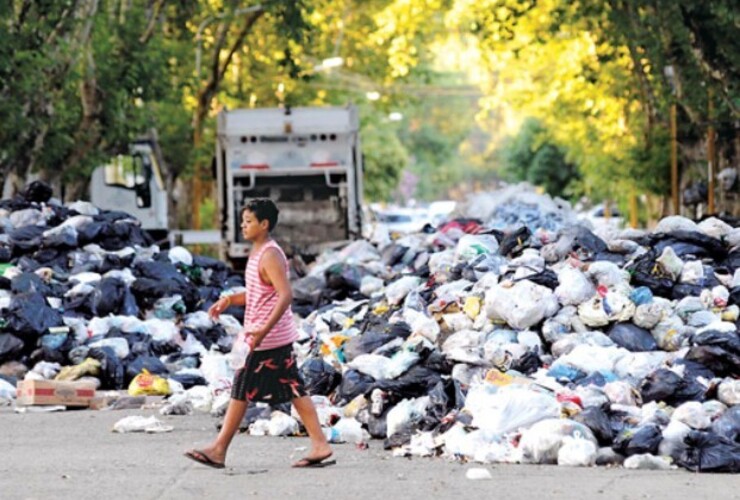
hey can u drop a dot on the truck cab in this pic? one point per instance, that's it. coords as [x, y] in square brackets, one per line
[307, 160]
[133, 183]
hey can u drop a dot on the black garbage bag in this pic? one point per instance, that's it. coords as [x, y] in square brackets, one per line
[121, 234]
[438, 362]
[667, 386]
[735, 296]
[148, 290]
[307, 290]
[108, 297]
[29, 316]
[10, 347]
[727, 425]
[64, 238]
[218, 271]
[150, 363]
[25, 239]
[723, 363]
[709, 452]
[353, 384]
[585, 243]
[613, 257]
[188, 380]
[319, 377]
[681, 290]
[344, 277]
[365, 344]
[5, 254]
[639, 440]
[632, 337]
[692, 243]
[528, 363]
[112, 374]
[729, 341]
[416, 382]
[392, 254]
[29, 283]
[693, 369]
[546, 278]
[514, 242]
[444, 397]
[377, 426]
[115, 262]
[37, 191]
[643, 271]
[596, 419]
[55, 347]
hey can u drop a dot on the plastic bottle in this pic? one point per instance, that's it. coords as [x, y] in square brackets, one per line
[331, 434]
[239, 353]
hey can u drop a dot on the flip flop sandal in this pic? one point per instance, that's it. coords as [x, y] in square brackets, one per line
[202, 458]
[316, 463]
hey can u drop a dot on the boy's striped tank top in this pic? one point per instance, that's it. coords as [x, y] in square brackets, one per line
[261, 300]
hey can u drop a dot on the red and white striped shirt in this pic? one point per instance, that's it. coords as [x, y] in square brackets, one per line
[261, 300]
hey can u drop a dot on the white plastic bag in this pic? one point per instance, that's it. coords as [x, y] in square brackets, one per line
[522, 306]
[282, 424]
[541, 443]
[692, 414]
[511, 408]
[397, 291]
[239, 352]
[471, 246]
[577, 452]
[406, 413]
[574, 288]
[670, 263]
[729, 392]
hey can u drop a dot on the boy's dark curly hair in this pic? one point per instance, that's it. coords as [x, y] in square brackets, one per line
[263, 209]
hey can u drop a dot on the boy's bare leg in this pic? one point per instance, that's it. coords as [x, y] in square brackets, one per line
[320, 448]
[216, 451]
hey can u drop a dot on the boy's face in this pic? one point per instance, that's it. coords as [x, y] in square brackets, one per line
[253, 227]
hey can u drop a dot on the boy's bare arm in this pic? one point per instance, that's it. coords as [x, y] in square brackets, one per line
[235, 299]
[273, 265]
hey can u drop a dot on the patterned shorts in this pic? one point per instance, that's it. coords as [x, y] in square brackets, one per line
[269, 376]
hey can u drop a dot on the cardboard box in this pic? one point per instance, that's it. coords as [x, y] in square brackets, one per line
[53, 392]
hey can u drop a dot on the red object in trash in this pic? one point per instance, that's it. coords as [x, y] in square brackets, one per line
[572, 398]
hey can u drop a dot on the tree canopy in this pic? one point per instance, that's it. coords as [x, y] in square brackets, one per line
[449, 90]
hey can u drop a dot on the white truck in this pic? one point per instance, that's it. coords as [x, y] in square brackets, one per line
[133, 183]
[307, 160]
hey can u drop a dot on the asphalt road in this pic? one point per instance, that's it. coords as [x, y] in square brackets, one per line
[75, 455]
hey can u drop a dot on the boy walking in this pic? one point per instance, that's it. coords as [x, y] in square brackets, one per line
[270, 373]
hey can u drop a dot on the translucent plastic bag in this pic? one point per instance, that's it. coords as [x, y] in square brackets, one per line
[511, 408]
[522, 306]
[577, 452]
[575, 288]
[541, 443]
[405, 414]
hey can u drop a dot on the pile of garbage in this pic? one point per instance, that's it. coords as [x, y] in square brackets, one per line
[483, 340]
[533, 346]
[519, 205]
[85, 294]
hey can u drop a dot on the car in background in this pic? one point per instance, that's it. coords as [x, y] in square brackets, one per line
[403, 220]
[440, 211]
[597, 217]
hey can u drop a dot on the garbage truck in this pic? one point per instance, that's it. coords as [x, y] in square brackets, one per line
[306, 159]
[133, 183]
